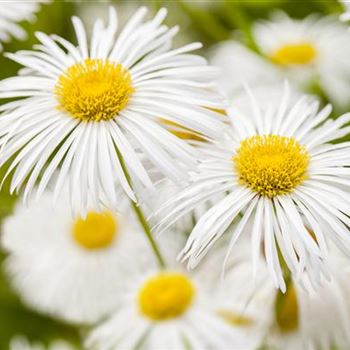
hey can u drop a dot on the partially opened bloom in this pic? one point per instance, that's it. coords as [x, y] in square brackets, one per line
[90, 105]
[12, 12]
[72, 268]
[299, 318]
[279, 169]
[314, 319]
[176, 310]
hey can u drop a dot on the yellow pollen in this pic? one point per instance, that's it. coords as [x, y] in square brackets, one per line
[94, 90]
[286, 310]
[294, 54]
[97, 231]
[165, 296]
[235, 319]
[271, 165]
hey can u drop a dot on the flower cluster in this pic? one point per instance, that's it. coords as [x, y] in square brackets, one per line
[169, 203]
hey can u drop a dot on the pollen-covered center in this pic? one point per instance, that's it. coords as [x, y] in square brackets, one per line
[294, 54]
[271, 165]
[94, 90]
[96, 231]
[165, 296]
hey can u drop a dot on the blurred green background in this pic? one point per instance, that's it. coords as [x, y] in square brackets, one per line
[206, 21]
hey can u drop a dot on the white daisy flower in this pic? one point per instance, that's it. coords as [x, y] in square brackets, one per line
[279, 169]
[12, 12]
[72, 268]
[172, 309]
[308, 52]
[85, 107]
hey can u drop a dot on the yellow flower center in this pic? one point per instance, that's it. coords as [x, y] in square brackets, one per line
[271, 165]
[294, 54]
[97, 231]
[94, 90]
[235, 319]
[286, 310]
[165, 296]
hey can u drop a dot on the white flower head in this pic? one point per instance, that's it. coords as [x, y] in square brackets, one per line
[72, 268]
[279, 169]
[86, 107]
[12, 12]
[309, 52]
[176, 310]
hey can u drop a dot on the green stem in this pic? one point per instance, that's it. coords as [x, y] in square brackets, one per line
[141, 217]
[148, 233]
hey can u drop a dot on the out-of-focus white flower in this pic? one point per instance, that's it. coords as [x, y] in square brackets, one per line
[12, 12]
[174, 309]
[314, 320]
[85, 102]
[307, 52]
[22, 343]
[72, 268]
[305, 317]
[278, 168]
